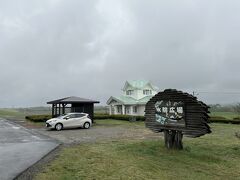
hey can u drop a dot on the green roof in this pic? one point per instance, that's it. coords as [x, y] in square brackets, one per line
[129, 100]
[145, 99]
[140, 84]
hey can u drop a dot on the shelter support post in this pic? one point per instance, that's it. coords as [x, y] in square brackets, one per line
[59, 109]
[55, 110]
[52, 110]
[63, 108]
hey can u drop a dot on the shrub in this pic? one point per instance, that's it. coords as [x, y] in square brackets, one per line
[101, 116]
[217, 118]
[119, 117]
[220, 119]
[38, 118]
[44, 118]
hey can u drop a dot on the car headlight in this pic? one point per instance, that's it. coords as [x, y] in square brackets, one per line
[52, 121]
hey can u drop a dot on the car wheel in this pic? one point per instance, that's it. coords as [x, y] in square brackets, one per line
[58, 127]
[86, 125]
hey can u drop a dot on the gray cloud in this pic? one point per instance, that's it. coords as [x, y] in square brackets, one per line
[55, 48]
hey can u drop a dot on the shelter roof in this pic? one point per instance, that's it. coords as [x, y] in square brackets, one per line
[72, 99]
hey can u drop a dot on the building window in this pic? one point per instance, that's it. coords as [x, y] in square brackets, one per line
[129, 92]
[135, 109]
[147, 92]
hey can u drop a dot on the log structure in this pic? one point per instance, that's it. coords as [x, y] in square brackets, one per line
[176, 114]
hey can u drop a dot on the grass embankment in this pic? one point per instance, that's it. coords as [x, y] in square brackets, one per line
[214, 156]
[11, 113]
[20, 113]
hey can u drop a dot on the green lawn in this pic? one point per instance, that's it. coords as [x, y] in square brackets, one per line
[113, 122]
[214, 156]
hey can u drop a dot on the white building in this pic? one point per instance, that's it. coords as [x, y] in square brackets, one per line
[133, 99]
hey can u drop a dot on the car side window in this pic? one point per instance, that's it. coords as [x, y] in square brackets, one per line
[73, 115]
[70, 116]
[79, 115]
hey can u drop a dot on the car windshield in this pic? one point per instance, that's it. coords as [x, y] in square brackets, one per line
[70, 116]
[61, 116]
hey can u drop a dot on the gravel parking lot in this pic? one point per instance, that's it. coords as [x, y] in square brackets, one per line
[100, 133]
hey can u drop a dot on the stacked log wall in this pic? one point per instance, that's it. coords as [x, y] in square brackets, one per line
[196, 114]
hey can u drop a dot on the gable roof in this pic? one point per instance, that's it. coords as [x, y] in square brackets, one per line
[72, 99]
[139, 84]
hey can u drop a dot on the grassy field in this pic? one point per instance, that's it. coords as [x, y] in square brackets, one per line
[9, 113]
[112, 122]
[228, 115]
[22, 112]
[214, 156]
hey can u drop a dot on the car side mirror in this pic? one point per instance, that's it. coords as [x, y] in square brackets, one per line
[66, 118]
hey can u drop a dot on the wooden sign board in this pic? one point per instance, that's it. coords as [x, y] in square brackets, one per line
[176, 114]
[170, 113]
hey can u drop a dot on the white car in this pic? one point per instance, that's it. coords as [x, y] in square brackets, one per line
[70, 120]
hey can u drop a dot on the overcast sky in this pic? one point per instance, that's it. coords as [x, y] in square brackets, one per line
[56, 48]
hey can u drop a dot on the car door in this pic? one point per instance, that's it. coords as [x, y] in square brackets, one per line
[80, 119]
[76, 120]
[69, 120]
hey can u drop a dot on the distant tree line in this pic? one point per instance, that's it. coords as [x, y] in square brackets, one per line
[225, 108]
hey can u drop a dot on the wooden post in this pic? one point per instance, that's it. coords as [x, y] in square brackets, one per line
[63, 105]
[55, 110]
[59, 110]
[173, 139]
[52, 110]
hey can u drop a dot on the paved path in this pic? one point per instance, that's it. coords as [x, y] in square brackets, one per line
[20, 148]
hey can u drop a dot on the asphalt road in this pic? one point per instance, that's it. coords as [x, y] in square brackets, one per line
[20, 148]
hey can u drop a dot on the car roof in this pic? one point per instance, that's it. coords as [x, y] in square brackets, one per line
[76, 113]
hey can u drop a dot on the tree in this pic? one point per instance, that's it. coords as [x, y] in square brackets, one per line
[237, 108]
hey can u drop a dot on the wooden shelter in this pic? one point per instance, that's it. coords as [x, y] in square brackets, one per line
[77, 104]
